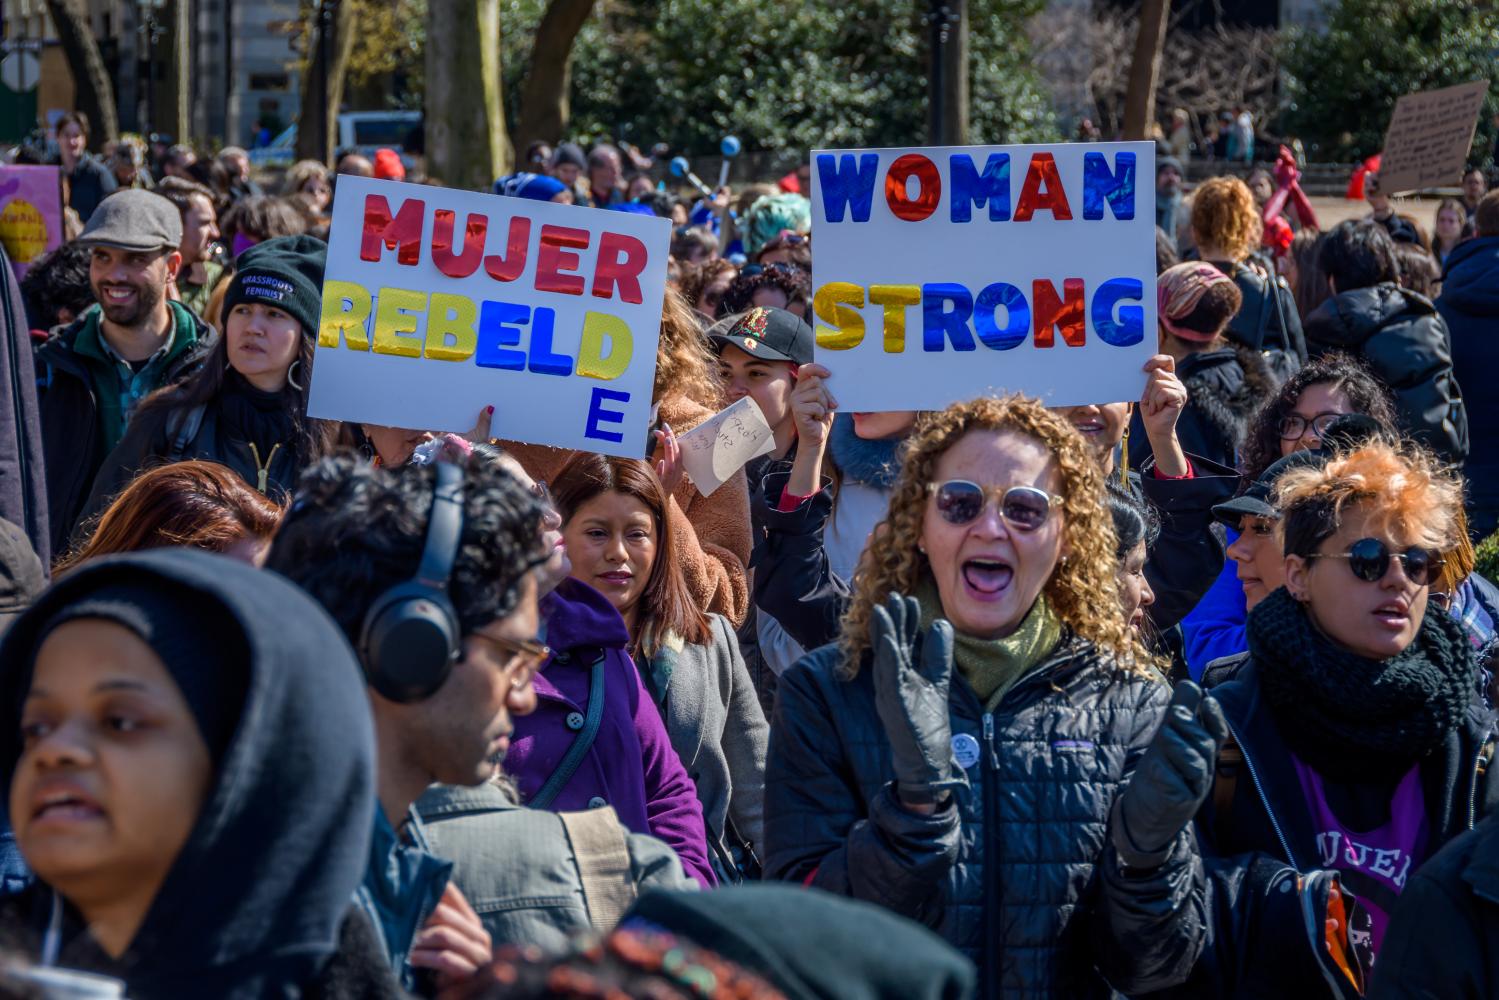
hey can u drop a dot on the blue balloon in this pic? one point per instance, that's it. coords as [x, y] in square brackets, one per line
[679, 166]
[729, 146]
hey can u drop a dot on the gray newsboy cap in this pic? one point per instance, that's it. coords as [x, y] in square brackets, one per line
[135, 219]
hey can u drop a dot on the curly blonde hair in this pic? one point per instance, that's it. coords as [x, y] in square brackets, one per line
[684, 368]
[1407, 494]
[1083, 588]
[1224, 216]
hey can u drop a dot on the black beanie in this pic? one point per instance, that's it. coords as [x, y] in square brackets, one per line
[812, 945]
[285, 273]
[200, 644]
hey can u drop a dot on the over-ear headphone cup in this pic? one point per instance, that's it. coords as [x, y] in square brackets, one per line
[410, 648]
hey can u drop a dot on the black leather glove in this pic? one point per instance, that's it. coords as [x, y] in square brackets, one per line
[910, 694]
[1172, 780]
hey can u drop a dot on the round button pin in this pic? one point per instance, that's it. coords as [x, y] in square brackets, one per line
[965, 750]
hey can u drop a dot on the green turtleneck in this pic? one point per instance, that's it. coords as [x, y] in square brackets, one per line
[992, 666]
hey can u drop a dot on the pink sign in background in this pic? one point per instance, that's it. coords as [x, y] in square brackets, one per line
[30, 213]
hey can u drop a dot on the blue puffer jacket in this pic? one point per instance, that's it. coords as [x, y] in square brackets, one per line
[1018, 873]
[1470, 304]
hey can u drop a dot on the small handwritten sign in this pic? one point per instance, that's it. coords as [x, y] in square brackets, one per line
[716, 449]
[1430, 136]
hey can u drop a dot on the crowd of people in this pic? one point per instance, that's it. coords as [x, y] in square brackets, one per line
[1191, 696]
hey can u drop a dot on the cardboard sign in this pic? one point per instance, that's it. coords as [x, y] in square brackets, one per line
[717, 448]
[437, 303]
[943, 274]
[1429, 138]
[30, 213]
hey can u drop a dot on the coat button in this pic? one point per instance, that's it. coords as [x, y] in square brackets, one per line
[597, 802]
[575, 721]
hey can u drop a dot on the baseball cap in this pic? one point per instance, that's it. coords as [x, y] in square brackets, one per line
[770, 334]
[135, 219]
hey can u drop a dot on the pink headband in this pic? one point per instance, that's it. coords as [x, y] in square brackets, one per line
[1177, 292]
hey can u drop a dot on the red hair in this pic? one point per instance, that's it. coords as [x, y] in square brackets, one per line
[200, 505]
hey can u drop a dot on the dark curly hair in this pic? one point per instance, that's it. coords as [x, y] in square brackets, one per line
[1349, 374]
[1135, 521]
[794, 281]
[355, 530]
[59, 280]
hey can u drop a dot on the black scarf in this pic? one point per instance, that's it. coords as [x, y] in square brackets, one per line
[252, 414]
[1354, 718]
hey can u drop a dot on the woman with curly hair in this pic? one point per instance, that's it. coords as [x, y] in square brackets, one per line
[712, 533]
[704, 285]
[774, 286]
[1293, 419]
[1226, 228]
[1362, 727]
[963, 754]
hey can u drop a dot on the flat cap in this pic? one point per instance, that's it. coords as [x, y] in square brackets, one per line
[134, 219]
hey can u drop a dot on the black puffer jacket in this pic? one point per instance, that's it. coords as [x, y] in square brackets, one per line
[1224, 389]
[1402, 337]
[1008, 873]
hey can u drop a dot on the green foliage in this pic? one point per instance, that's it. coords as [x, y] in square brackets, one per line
[1342, 85]
[780, 76]
[1487, 557]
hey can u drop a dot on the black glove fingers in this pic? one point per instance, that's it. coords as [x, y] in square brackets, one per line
[936, 660]
[1211, 714]
[1187, 695]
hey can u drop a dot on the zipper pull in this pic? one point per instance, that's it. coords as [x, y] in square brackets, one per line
[989, 741]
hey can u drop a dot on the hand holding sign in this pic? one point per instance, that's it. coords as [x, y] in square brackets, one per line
[812, 406]
[716, 449]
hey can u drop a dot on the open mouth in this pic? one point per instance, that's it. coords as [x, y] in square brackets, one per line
[1392, 616]
[65, 806]
[987, 577]
[1090, 426]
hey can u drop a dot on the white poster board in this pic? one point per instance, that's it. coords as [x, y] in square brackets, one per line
[439, 302]
[1429, 138]
[946, 273]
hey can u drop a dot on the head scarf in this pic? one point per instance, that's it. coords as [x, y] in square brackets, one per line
[1179, 289]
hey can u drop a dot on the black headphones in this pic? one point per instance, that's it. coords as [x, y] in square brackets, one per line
[410, 637]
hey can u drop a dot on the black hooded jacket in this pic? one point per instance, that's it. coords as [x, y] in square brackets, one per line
[259, 901]
[1258, 842]
[1224, 389]
[1403, 338]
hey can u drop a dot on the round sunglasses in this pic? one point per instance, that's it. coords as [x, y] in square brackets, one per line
[1369, 559]
[960, 501]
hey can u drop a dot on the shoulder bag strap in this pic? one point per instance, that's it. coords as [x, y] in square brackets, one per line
[603, 858]
[568, 766]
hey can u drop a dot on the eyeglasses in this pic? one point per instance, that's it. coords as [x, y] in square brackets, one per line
[1369, 559]
[1023, 508]
[1293, 426]
[526, 657]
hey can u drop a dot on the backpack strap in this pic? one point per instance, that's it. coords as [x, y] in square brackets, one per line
[182, 428]
[603, 858]
[570, 762]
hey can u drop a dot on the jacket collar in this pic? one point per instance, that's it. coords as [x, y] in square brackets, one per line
[402, 885]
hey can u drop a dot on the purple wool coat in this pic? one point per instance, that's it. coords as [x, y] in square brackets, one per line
[631, 765]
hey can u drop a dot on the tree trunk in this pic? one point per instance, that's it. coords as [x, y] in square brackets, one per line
[955, 76]
[544, 110]
[466, 144]
[179, 71]
[1145, 69]
[330, 46]
[95, 94]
